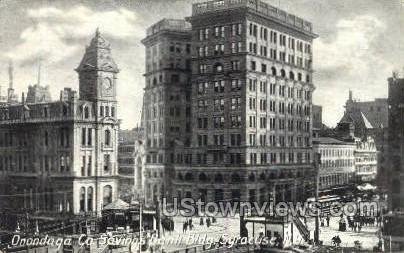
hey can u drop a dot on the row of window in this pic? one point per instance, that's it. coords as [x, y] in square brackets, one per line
[273, 38]
[20, 163]
[292, 109]
[336, 163]
[219, 86]
[274, 54]
[221, 31]
[32, 112]
[87, 137]
[235, 66]
[7, 140]
[105, 111]
[335, 179]
[232, 158]
[264, 140]
[273, 140]
[333, 152]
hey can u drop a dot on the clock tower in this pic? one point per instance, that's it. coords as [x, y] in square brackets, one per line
[97, 71]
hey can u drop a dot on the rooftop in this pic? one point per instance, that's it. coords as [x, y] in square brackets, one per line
[169, 25]
[257, 6]
[329, 140]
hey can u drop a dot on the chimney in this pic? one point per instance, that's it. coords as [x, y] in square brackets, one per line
[23, 98]
[350, 95]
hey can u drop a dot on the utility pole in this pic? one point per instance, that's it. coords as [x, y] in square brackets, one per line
[317, 162]
[140, 221]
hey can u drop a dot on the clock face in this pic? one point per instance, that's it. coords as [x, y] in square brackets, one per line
[107, 83]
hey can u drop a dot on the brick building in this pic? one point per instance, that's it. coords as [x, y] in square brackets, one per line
[244, 99]
[337, 167]
[60, 156]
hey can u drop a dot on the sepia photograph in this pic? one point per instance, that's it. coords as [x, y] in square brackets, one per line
[201, 126]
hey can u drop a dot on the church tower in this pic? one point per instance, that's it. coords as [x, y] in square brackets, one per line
[97, 71]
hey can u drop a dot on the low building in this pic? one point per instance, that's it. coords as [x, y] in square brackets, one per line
[126, 162]
[337, 168]
[365, 160]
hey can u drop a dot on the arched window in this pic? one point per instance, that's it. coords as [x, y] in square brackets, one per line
[218, 67]
[235, 178]
[203, 177]
[154, 81]
[299, 76]
[291, 75]
[283, 73]
[107, 137]
[219, 178]
[86, 112]
[180, 177]
[262, 176]
[189, 176]
[90, 199]
[82, 199]
[273, 70]
[107, 195]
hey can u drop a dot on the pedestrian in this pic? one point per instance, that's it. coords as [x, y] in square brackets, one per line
[190, 224]
[355, 227]
[201, 221]
[359, 228]
[322, 222]
[328, 220]
[184, 227]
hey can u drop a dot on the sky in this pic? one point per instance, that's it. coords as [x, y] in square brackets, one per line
[360, 43]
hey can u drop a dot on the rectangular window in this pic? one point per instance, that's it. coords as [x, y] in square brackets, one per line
[107, 162]
[235, 65]
[89, 137]
[83, 137]
[253, 65]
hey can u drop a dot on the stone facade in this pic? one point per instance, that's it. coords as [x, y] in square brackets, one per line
[166, 104]
[365, 159]
[246, 130]
[337, 167]
[60, 156]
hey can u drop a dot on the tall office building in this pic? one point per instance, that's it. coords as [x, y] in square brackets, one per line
[166, 104]
[396, 142]
[251, 103]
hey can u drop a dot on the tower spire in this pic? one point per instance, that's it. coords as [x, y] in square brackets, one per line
[10, 74]
[39, 72]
